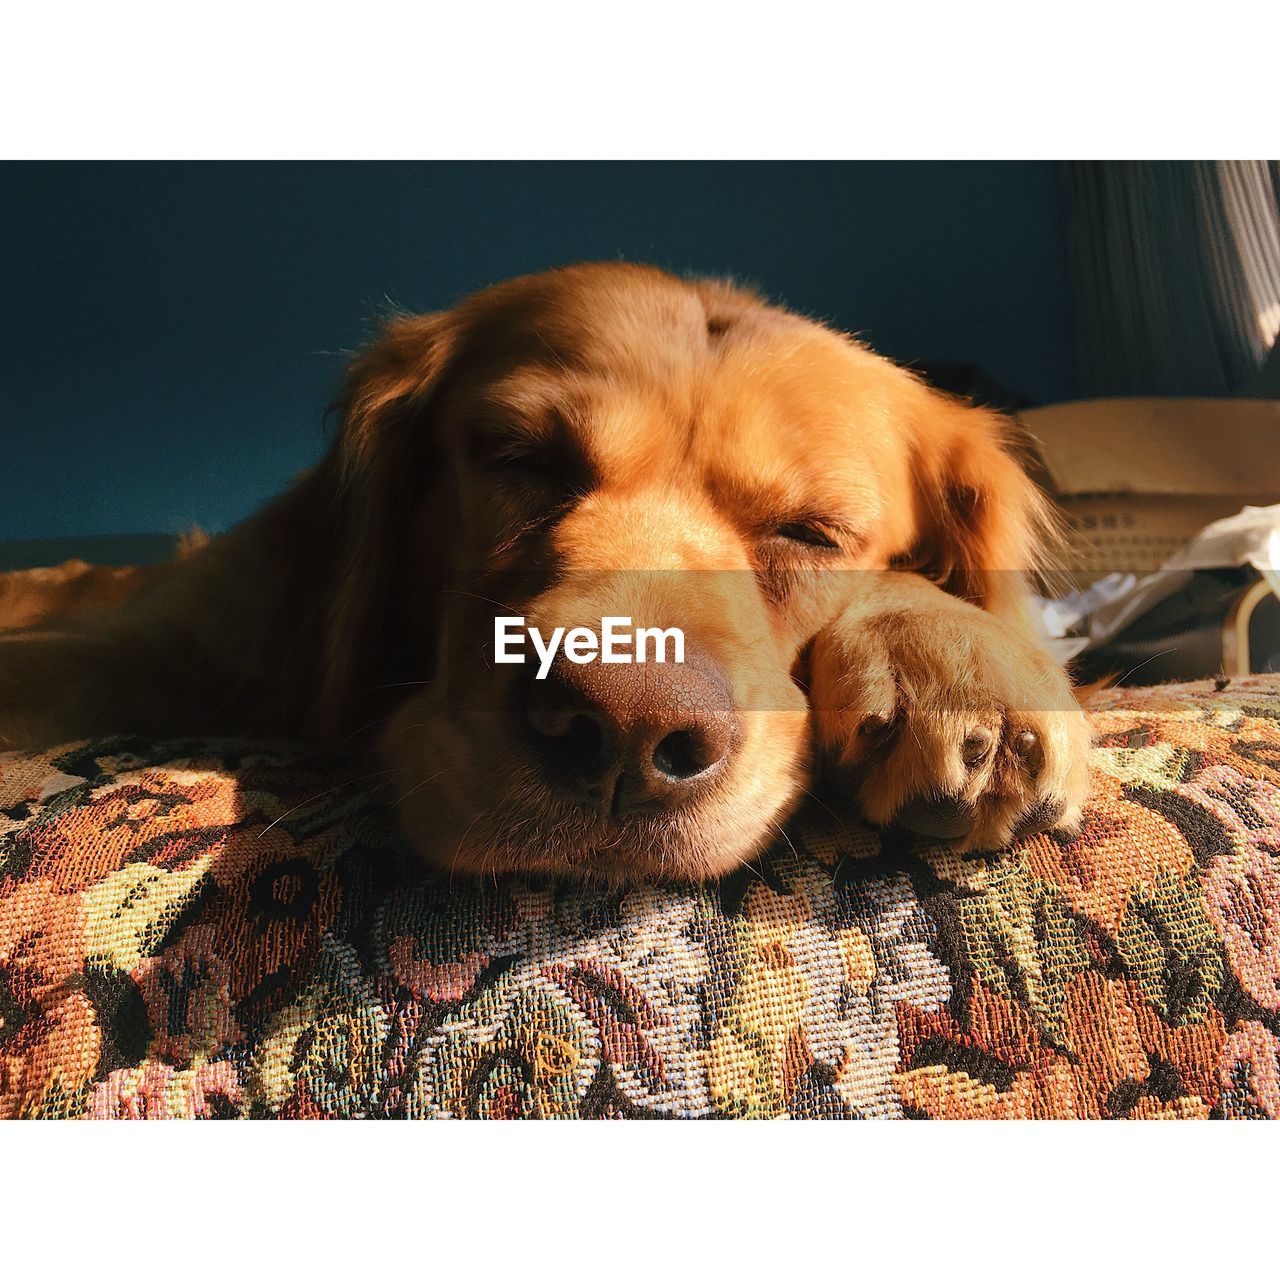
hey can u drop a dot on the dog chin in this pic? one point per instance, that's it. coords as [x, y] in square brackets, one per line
[520, 834]
[525, 832]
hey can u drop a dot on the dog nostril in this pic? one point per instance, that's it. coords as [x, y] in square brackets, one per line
[681, 755]
[582, 745]
[577, 748]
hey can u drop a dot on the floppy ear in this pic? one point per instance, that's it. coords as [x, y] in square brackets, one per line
[377, 471]
[982, 525]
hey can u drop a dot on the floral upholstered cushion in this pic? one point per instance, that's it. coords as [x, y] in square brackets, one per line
[227, 929]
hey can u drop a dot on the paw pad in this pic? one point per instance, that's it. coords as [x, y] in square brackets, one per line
[939, 817]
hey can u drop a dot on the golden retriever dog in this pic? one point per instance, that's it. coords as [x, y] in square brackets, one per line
[845, 551]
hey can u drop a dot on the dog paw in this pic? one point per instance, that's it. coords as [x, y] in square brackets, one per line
[939, 718]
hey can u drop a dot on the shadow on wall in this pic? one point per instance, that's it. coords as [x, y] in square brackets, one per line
[171, 333]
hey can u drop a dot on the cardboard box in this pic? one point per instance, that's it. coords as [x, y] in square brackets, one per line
[1138, 478]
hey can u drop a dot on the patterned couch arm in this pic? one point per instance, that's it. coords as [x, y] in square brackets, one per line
[230, 929]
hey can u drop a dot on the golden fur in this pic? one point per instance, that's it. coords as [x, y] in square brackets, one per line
[848, 546]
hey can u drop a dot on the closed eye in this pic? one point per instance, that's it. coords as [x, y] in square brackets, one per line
[525, 473]
[517, 456]
[807, 532]
[528, 463]
[526, 456]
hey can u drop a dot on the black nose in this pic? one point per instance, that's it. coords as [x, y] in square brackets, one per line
[631, 738]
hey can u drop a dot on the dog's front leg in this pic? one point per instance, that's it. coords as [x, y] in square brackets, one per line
[54, 687]
[940, 717]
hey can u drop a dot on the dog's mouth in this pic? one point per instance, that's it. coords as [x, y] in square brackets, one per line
[498, 809]
[529, 828]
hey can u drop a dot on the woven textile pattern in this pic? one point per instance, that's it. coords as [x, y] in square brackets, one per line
[204, 929]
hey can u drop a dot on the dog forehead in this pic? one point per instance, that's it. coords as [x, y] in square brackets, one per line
[616, 316]
[787, 412]
[656, 377]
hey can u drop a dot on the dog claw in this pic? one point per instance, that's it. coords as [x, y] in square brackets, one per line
[1028, 746]
[973, 750]
[873, 724]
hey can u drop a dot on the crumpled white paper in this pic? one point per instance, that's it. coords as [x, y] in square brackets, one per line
[1250, 537]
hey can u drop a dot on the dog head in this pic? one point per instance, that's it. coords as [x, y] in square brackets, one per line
[612, 442]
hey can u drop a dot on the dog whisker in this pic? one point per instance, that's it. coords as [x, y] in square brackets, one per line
[462, 842]
[501, 604]
[409, 728]
[748, 861]
[373, 724]
[782, 832]
[321, 795]
[430, 778]
[818, 800]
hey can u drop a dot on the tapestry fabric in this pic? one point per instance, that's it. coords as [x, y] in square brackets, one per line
[219, 929]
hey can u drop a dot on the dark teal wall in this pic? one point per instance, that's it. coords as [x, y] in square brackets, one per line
[170, 333]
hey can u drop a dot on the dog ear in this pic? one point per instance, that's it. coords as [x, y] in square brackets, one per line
[376, 473]
[982, 525]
